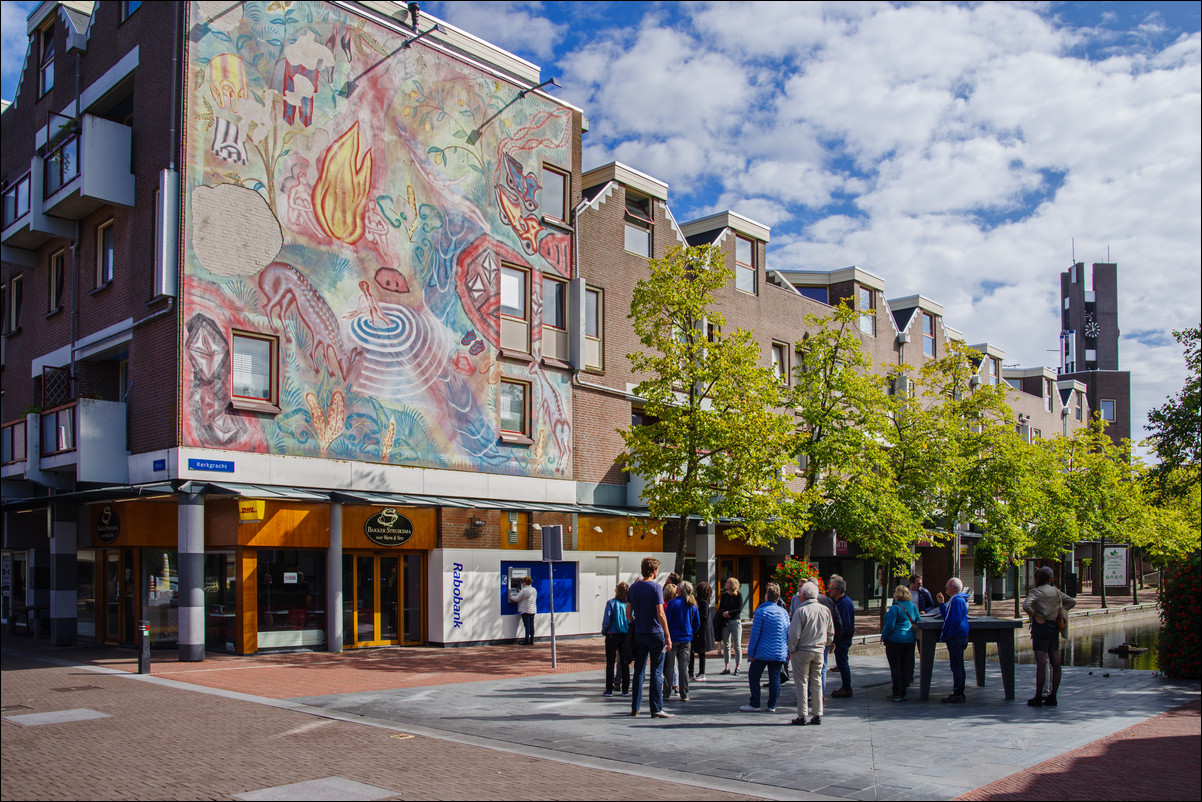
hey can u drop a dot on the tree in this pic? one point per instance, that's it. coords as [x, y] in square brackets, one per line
[716, 440]
[1176, 426]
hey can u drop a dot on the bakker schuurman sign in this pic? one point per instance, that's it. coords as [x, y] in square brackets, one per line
[388, 528]
[108, 525]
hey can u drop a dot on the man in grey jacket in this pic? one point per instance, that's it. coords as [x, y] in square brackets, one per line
[811, 632]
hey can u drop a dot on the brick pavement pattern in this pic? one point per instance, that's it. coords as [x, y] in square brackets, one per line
[1155, 759]
[166, 743]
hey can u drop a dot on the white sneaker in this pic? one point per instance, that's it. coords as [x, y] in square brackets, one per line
[772, 710]
[748, 709]
[662, 714]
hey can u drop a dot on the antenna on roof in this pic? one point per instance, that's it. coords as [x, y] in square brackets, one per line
[1073, 240]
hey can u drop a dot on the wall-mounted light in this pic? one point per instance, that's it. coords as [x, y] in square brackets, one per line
[474, 136]
[630, 531]
[598, 529]
[350, 86]
[536, 527]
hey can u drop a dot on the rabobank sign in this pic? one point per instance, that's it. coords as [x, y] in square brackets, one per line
[457, 595]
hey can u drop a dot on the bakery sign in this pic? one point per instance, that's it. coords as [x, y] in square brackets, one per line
[388, 528]
[108, 525]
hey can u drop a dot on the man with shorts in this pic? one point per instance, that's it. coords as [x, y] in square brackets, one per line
[645, 608]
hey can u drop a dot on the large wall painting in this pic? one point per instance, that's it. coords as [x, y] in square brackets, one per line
[356, 199]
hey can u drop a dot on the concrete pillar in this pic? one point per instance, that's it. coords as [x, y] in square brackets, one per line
[334, 634]
[191, 554]
[704, 548]
[39, 576]
[63, 574]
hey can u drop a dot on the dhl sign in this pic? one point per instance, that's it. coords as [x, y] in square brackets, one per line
[250, 511]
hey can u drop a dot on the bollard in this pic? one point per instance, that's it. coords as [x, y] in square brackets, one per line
[144, 655]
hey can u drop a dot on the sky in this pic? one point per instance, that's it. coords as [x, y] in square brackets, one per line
[967, 152]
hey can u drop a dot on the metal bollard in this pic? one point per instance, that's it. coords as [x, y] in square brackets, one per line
[144, 654]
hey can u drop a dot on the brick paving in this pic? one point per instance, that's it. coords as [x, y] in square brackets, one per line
[165, 743]
[1155, 759]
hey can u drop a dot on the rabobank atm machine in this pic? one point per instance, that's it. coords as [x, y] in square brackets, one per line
[516, 575]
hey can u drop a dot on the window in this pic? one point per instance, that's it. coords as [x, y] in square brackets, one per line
[515, 322]
[638, 225]
[45, 46]
[254, 368]
[1036, 434]
[1047, 394]
[56, 275]
[555, 334]
[928, 334]
[992, 368]
[104, 254]
[16, 200]
[128, 7]
[819, 294]
[1080, 405]
[514, 414]
[555, 193]
[1107, 409]
[594, 323]
[867, 311]
[14, 303]
[745, 265]
[780, 361]
[61, 165]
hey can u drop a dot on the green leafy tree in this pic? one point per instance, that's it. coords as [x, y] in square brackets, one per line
[1176, 426]
[717, 439]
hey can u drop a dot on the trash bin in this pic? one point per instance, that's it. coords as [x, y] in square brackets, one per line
[1070, 584]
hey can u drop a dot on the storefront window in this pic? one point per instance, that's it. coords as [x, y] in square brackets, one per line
[221, 603]
[85, 596]
[291, 598]
[160, 582]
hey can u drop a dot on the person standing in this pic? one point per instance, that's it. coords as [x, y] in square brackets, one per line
[527, 601]
[703, 638]
[730, 607]
[767, 649]
[845, 611]
[897, 633]
[811, 632]
[920, 596]
[954, 633]
[614, 625]
[1046, 604]
[645, 611]
[683, 620]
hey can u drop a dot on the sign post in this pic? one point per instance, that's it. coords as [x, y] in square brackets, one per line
[552, 553]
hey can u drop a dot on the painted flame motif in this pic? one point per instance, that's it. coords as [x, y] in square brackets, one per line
[327, 425]
[341, 193]
[227, 79]
[386, 440]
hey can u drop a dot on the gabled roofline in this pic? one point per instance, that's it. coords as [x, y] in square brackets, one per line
[728, 219]
[628, 176]
[920, 301]
[828, 277]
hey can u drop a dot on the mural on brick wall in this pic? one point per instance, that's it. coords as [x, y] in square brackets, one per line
[355, 200]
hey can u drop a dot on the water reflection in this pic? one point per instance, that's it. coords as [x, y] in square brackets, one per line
[1087, 646]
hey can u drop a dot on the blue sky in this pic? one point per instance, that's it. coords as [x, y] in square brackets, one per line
[963, 151]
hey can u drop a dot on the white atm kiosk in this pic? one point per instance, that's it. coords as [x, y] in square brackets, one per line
[516, 575]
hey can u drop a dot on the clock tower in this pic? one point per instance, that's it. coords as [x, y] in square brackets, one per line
[1089, 342]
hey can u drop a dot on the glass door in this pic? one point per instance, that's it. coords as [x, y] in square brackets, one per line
[384, 604]
[118, 596]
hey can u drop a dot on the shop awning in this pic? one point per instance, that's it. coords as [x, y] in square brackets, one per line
[265, 491]
[91, 495]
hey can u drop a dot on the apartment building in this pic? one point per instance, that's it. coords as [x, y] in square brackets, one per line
[314, 325]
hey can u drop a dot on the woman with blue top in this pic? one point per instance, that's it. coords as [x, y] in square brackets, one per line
[955, 633]
[897, 633]
[683, 620]
[615, 627]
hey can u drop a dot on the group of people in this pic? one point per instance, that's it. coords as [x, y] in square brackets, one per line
[668, 628]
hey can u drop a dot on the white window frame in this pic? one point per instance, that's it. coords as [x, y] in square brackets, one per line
[45, 51]
[55, 277]
[1047, 394]
[867, 311]
[15, 301]
[515, 322]
[565, 195]
[594, 334]
[106, 267]
[639, 224]
[992, 370]
[271, 396]
[780, 361]
[928, 340]
[745, 272]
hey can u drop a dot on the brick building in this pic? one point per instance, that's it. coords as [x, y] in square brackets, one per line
[314, 325]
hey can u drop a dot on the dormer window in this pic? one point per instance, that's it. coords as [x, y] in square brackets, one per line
[867, 311]
[45, 50]
[745, 265]
[928, 334]
[638, 225]
[992, 369]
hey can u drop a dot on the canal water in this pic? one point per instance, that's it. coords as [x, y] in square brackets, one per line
[1088, 646]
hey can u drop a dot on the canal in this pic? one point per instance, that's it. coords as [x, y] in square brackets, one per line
[1089, 645]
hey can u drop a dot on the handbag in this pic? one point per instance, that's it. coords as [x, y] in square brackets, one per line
[1061, 621]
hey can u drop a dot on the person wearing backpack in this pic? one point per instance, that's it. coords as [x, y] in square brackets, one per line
[615, 627]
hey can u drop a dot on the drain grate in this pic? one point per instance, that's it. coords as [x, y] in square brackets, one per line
[73, 688]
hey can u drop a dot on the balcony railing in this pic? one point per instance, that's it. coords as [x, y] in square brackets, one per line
[58, 430]
[16, 201]
[61, 166]
[12, 442]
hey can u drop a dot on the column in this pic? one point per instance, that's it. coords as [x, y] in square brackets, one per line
[703, 550]
[63, 574]
[191, 554]
[334, 633]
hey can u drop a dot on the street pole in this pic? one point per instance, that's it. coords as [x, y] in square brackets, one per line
[551, 572]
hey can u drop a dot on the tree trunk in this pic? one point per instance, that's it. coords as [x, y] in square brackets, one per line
[1102, 568]
[988, 595]
[1018, 613]
[1134, 579]
[682, 529]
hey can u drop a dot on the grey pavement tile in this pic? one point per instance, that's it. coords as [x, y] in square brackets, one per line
[327, 788]
[56, 717]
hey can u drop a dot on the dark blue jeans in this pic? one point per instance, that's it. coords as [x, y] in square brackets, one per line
[648, 645]
[528, 623]
[756, 672]
[841, 648]
[955, 656]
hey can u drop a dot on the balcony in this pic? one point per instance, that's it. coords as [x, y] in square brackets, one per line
[85, 438]
[88, 167]
[12, 448]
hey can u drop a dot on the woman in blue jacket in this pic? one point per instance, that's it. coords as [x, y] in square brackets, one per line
[614, 625]
[768, 648]
[897, 633]
[683, 620]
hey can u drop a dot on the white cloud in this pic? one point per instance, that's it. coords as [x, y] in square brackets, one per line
[13, 43]
[515, 26]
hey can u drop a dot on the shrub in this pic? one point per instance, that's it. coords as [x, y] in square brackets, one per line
[1179, 648]
[792, 574]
